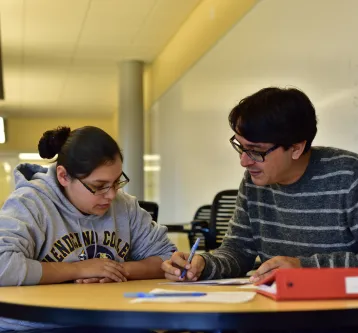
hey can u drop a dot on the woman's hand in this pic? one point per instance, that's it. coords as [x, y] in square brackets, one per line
[100, 270]
[94, 280]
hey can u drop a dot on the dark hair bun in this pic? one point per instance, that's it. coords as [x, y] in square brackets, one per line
[52, 141]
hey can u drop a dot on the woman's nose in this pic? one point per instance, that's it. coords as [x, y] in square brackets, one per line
[111, 194]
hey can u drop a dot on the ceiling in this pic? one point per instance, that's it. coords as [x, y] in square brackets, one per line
[60, 58]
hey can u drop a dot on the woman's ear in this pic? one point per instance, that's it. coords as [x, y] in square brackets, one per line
[297, 149]
[62, 176]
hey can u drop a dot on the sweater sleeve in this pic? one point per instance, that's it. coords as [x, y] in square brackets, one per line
[236, 255]
[340, 258]
[19, 234]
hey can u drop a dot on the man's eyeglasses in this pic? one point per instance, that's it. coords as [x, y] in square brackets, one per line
[256, 156]
[120, 183]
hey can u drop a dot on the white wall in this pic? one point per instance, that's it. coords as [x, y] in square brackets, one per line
[309, 44]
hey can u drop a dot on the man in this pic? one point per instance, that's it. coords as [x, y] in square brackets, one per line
[297, 205]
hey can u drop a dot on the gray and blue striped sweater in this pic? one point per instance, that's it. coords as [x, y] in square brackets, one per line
[314, 219]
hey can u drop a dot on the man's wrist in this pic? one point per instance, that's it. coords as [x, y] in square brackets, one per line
[205, 272]
[307, 262]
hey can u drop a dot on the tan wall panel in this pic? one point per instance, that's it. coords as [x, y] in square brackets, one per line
[209, 21]
[23, 134]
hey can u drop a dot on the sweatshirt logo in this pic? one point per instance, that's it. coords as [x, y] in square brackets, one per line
[109, 247]
[101, 252]
[82, 255]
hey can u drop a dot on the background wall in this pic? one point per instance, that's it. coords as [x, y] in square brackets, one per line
[308, 44]
[23, 134]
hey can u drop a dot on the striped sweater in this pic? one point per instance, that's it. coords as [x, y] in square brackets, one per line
[314, 219]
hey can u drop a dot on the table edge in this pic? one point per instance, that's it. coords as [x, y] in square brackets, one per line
[323, 318]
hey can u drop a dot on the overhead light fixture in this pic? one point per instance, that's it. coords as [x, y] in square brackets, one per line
[2, 94]
[30, 157]
[2, 130]
[150, 168]
[7, 167]
[152, 157]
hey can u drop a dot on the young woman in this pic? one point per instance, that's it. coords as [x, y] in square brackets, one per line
[71, 222]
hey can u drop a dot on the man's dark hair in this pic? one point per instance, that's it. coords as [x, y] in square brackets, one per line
[275, 115]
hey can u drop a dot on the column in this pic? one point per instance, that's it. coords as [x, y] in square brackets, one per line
[131, 127]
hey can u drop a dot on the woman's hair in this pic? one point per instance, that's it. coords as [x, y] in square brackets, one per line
[275, 115]
[79, 151]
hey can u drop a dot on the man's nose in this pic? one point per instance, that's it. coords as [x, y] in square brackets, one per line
[245, 160]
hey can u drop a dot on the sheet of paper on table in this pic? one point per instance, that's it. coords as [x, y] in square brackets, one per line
[228, 282]
[210, 297]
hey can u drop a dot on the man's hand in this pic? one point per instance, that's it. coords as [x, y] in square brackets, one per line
[272, 264]
[103, 269]
[179, 260]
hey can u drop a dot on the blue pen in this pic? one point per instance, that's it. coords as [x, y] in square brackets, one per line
[192, 252]
[152, 295]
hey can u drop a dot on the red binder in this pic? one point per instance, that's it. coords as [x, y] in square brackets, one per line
[310, 283]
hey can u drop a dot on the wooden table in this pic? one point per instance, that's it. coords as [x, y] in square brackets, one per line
[104, 305]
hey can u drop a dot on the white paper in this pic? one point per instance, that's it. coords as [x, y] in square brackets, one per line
[248, 286]
[351, 284]
[210, 297]
[238, 281]
[270, 289]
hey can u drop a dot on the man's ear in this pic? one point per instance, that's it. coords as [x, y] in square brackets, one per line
[297, 149]
[62, 176]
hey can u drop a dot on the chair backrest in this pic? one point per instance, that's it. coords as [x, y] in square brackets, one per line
[151, 207]
[222, 210]
[202, 214]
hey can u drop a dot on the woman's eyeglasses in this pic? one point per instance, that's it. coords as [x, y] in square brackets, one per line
[120, 183]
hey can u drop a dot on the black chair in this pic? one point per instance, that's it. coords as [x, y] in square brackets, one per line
[200, 227]
[222, 210]
[151, 207]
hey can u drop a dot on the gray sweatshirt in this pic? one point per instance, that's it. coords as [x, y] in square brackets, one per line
[38, 223]
[314, 219]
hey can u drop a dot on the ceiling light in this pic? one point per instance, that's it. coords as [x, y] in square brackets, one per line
[30, 156]
[2, 130]
[149, 168]
[152, 157]
[7, 167]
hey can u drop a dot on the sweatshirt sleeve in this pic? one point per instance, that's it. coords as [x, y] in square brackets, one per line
[236, 255]
[20, 234]
[148, 238]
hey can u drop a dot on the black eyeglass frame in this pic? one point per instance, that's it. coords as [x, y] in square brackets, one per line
[240, 149]
[119, 184]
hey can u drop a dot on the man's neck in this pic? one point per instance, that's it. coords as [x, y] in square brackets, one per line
[297, 169]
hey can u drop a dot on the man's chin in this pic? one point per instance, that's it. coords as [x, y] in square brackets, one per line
[258, 181]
